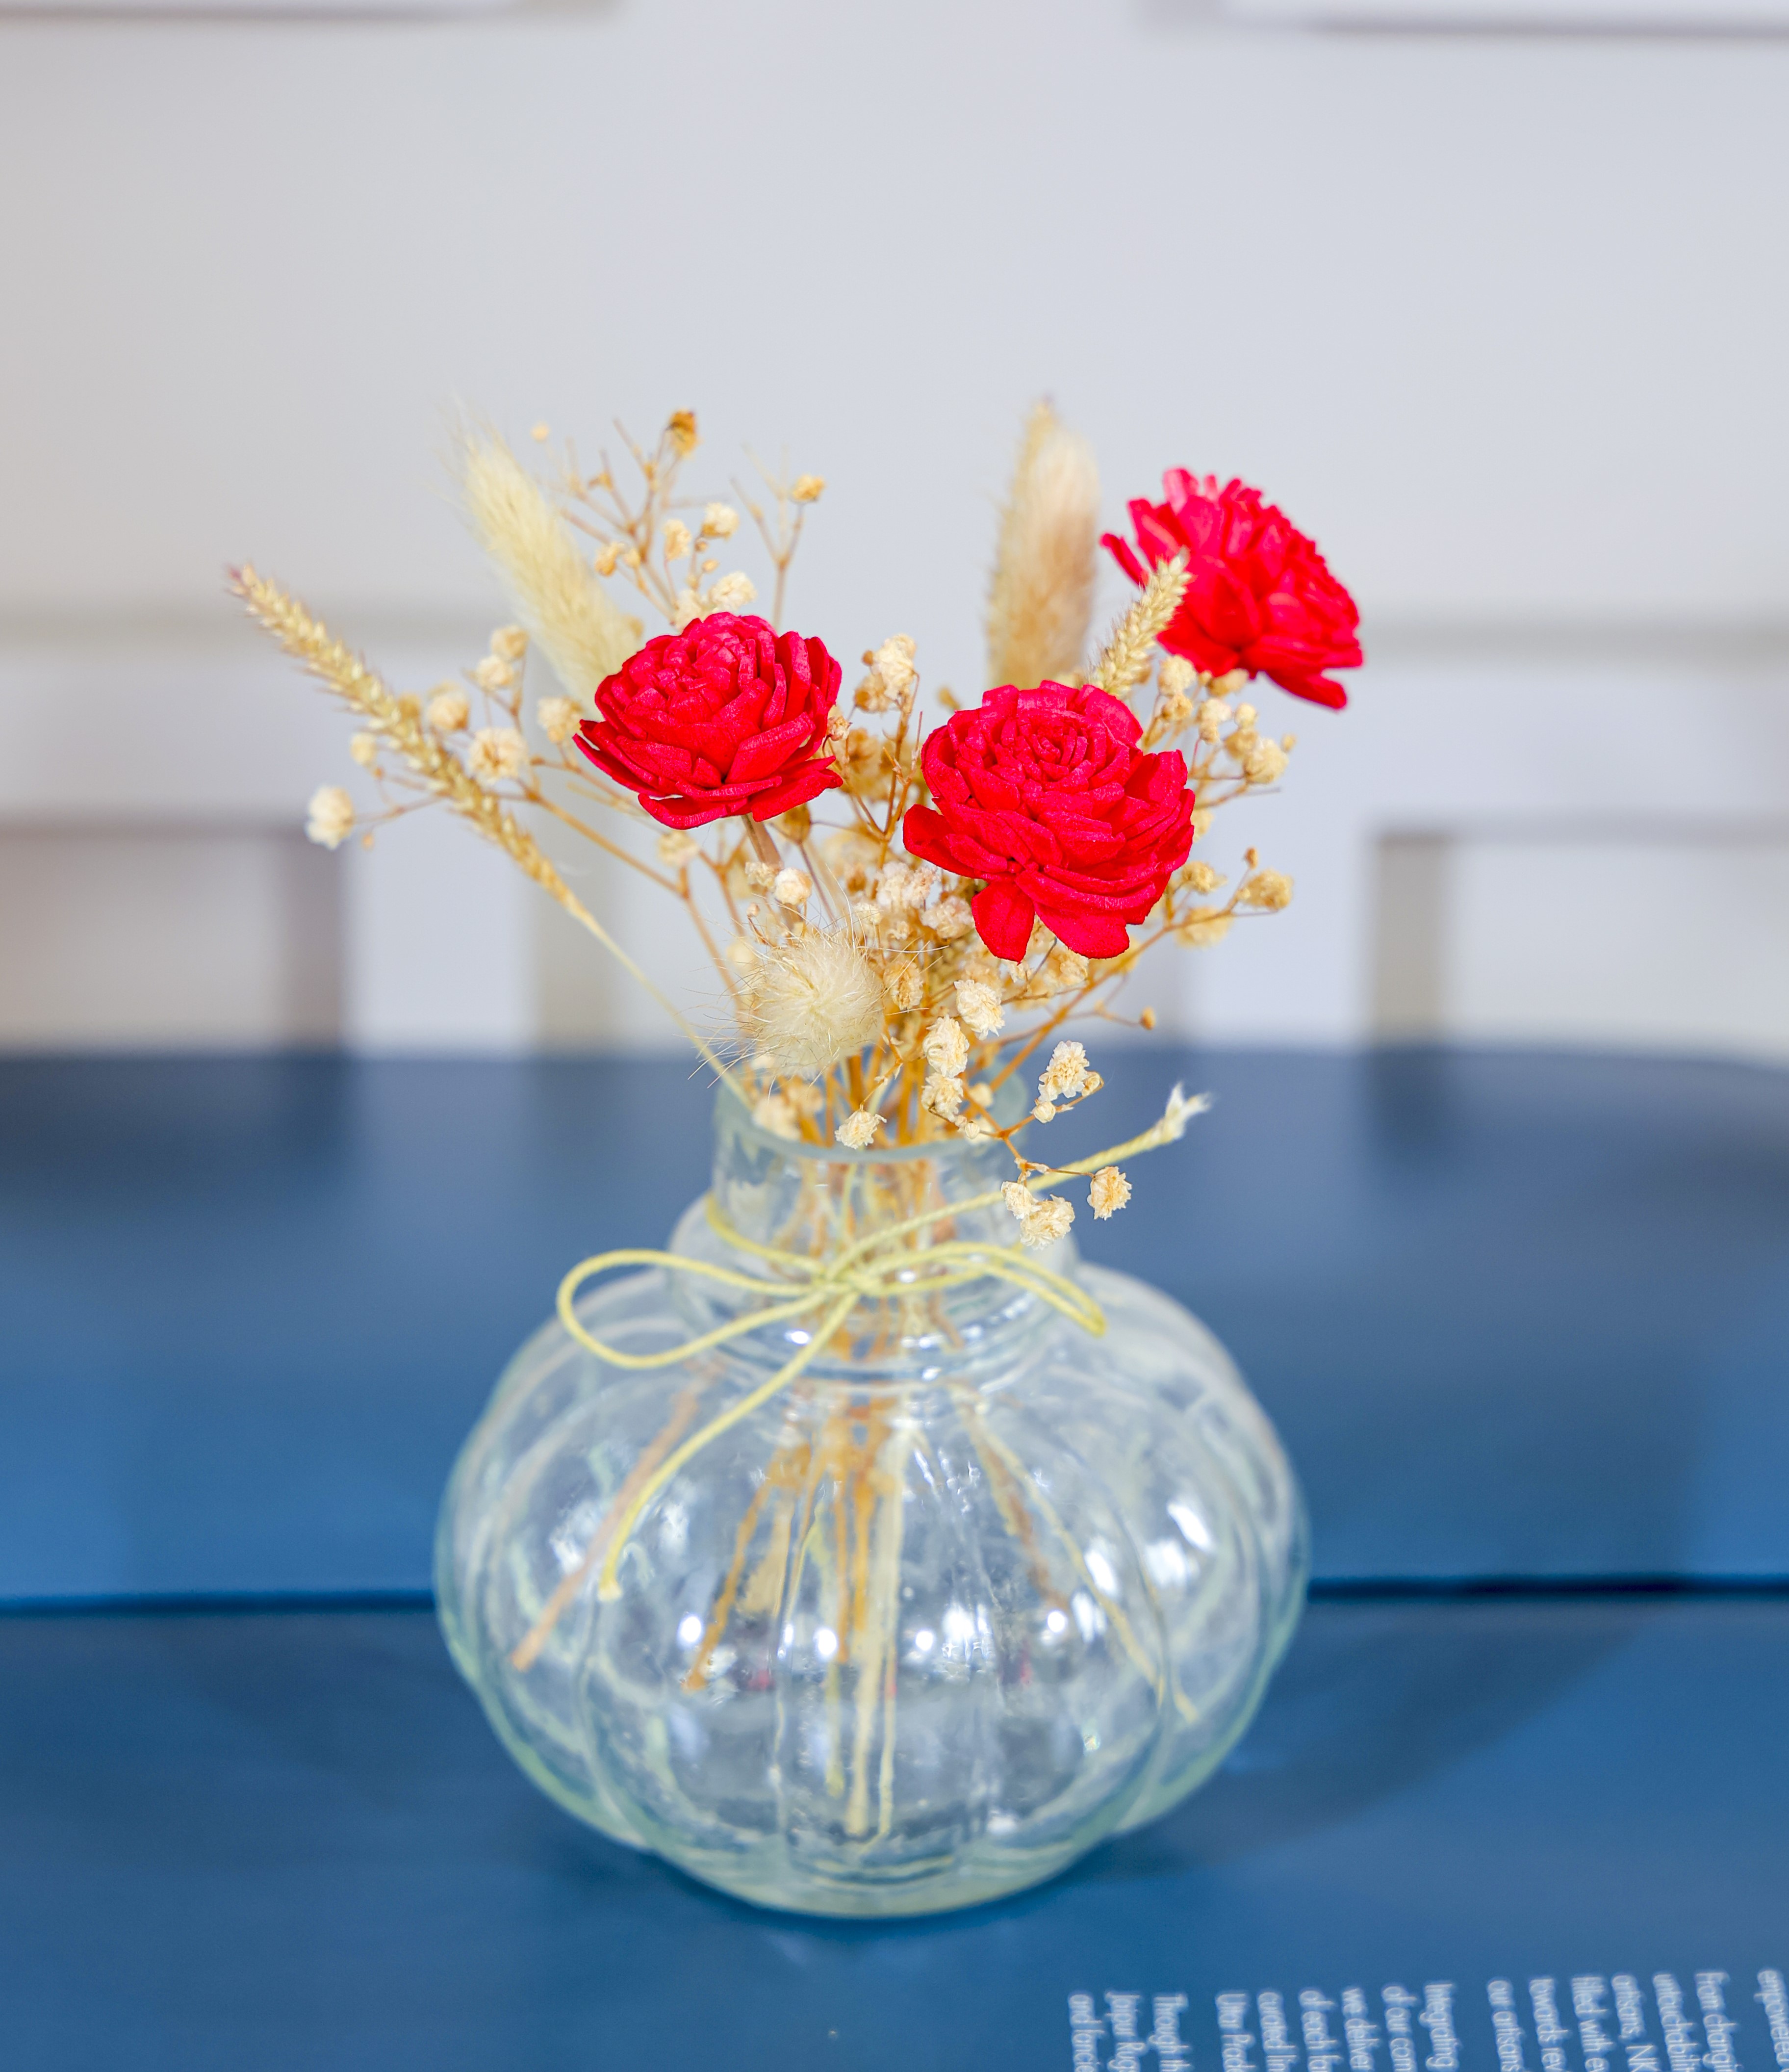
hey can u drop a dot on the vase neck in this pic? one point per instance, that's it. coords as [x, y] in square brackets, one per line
[815, 1202]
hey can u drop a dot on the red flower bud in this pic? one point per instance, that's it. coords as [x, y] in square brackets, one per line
[1046, 795]
[725, 718]
[1260, 596]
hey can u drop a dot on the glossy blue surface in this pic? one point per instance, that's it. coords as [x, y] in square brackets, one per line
[1514, 1314]
[290, 1841]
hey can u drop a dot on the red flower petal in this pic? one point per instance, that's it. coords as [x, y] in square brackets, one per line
[1003, 916]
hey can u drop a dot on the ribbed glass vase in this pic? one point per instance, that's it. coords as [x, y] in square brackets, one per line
[973, 1591]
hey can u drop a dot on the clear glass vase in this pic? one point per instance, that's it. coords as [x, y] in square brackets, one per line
[975, 1590]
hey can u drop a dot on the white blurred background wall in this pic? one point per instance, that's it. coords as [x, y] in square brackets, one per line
[1503, 318]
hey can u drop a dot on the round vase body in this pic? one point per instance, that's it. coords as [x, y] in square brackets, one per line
[975, 1590]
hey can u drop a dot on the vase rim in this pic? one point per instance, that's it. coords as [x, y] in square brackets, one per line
[730, 1107]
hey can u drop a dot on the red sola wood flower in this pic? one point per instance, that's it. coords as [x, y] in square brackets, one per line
[727, 717]
[1045, 795]
[1259, 596]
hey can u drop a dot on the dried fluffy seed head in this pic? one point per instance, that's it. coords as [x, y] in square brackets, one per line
[776, 1112]
[497, 752]
[364, 749]
[558, 718]
[1109, 1193]
[943, 1097]
[906, 985]
[732, 593]
[1268, 890]
[1066, 1076]
[950, 919]
[1203, 928]
[858, 1130]
[450, 710]
[806, 488]
[720, 521]
[584, 636]
[1041, 599]
[677, 847]
[946, 1048]
[979, 1006]
[509, 643]
[792, 888]
[330, 817]
[811, 1002]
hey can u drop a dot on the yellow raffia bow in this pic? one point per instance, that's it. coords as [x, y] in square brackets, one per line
[831, 1287]
[834, 1285]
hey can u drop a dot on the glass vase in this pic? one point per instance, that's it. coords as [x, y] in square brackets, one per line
[975, 1590]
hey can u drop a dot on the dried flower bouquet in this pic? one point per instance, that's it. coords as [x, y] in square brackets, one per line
[902, 919]
[908, 923]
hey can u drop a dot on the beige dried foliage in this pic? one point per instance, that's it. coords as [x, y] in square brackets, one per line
[582, 633]
[1041, 599]
[1131, 653]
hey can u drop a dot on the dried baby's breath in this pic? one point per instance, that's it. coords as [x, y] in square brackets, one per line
[330, 817]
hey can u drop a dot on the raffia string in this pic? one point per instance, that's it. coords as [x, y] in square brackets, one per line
[873, 1268]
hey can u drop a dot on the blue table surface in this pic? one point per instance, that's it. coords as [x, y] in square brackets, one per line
[1517, 1317]
[289, 1840]
[1513, 1314]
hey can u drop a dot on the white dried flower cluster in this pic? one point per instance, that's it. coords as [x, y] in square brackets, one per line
[942, 1095]
[858, 1130]
[732, 593]
[509, 643]
[719, 521]
[806, 488]
[364, 749]
[677, 846]
[892, 675]
[906, 986]
[493, 673]
[1203, 928]
[1063, 970]
[558, 718]
[330, 817]
[1178, 675]
[945, 1047]
[1266, 762]
[678, 539]
[950, 919]
[1068, 1077]
[1042, 1221]
[759, 876]
[810, 1002]
[1213, 717]
[1200, 877]
[903, 888]
[497, 752]
[776, 1112]
[979, 1006]
[1268, 890]
[1109, 1193]
[792, 888]
[450, 708]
